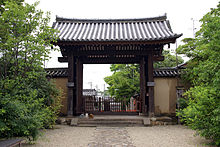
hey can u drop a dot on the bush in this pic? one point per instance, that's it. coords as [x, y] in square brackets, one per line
[203, 112]
[28, 101]
[24, 110]
[202, 72]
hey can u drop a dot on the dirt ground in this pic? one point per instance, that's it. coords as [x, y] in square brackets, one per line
[156, 136]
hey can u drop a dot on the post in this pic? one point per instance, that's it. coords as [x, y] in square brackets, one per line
[150, 85]
[100, 105]
[143, 86]
[79, 86]
[70, 84]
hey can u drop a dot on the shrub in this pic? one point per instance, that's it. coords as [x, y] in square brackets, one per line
[203, 112]
[28, 101]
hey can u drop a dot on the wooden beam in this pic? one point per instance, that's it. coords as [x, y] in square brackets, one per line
[143, 86]
[150, 85]
[147, 42]
[105, 60]
[70, 85]
[62, 59]
[111, 60]
[116, 61]
[112, 52]
[84, 50]
[79, 86]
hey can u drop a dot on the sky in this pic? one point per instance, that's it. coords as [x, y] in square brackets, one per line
[180, 13]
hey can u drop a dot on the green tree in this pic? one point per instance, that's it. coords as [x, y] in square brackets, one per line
[28, 101]
[3, 2]
[124, 82]
[203, 110]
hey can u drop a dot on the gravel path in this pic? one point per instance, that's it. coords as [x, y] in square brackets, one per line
[111, 136]
[65, 136]
[164, 136]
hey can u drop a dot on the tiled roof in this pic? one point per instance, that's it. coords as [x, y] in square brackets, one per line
[166, 72]
[63, 72]
[146, 29]
[57, 72]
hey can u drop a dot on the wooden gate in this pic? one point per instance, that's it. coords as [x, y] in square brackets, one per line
[110, 105]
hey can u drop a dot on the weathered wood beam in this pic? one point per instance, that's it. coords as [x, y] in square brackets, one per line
[129, 60]
[112, 52]
[105, 60]
[81, 50]
[143, 86]
[147, 42]
[62, 59]
[110, 60]
[150, 85]
[79, 86]
[70, 85]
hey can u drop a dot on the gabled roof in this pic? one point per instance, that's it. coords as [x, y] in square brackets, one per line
[145, 29]
[63, 72]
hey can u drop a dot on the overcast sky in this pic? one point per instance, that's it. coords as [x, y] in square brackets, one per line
[179, 12]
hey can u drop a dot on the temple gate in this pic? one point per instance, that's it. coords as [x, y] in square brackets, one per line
[112, 41]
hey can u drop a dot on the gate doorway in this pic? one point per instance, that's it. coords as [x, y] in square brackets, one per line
[98, 99]
[110, 105]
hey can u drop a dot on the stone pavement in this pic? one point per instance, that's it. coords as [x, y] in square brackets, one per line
[111, 137]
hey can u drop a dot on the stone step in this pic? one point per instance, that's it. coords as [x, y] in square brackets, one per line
[117, 121]
[97, 120]
[110, 122]
[110, 125]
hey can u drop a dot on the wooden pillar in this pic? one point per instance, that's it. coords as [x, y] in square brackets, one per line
[150, 85]
[143, 86]
[79, 87]
[147, 85]
[71, 84]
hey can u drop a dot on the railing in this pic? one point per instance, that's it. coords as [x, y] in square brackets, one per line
[109, 104]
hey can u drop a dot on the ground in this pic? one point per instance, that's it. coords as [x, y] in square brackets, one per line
[166, 136]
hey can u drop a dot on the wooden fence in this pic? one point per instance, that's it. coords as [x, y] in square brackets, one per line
[108, 104]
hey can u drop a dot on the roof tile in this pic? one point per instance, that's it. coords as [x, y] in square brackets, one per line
[147, 29]
[63, 72]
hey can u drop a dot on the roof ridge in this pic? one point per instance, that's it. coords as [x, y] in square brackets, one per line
[63, 72]
[158, 18]
[164, 68]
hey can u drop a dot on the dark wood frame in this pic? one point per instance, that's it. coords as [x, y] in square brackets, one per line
[77, 55]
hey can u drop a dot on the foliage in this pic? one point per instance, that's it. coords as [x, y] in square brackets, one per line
[24, 110]
[2, 3]
[28, 101]
[169, 60]
[125, 80]
[203, 110]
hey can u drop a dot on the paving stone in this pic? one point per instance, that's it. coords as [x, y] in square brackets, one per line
[74, 122]
[146, 122]
[111, 136]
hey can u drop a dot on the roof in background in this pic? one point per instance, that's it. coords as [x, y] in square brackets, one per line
[63, 72]
[144, 29]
